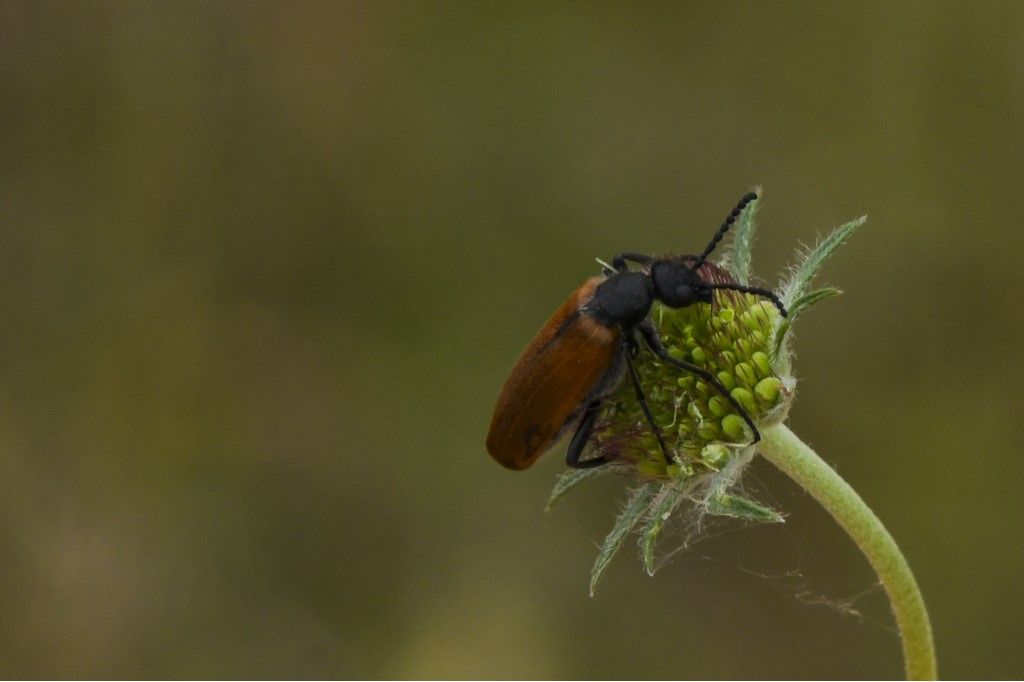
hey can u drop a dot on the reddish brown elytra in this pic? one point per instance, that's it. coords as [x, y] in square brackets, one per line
[571, 356]
[581, 355]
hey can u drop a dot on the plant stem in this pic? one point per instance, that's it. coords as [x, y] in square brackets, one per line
[785, 450]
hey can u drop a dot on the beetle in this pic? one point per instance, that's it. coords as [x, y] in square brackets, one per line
[585, 350]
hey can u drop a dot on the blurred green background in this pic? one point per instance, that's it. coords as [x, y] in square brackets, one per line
[265, 266]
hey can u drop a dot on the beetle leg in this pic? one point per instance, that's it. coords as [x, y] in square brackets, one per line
[619, 262]
[632, 347]
[654, 342]
[580, 439]
[642, 399]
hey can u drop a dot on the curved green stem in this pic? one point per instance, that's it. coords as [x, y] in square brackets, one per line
[785, 450]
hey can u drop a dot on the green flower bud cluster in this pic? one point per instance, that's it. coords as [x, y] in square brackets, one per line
[732, 339]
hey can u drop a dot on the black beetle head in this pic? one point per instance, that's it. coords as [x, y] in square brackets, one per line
[677, 286]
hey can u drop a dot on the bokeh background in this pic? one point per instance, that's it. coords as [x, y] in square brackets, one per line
[265, 266]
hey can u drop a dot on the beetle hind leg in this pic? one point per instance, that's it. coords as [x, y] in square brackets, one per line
[581, 438]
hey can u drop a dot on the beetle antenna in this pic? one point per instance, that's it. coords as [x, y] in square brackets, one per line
[758, 291]
[747, 198]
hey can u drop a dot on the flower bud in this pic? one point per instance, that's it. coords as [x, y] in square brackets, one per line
[729, 339]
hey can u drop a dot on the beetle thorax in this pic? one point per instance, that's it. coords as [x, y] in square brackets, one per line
[623, 299]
